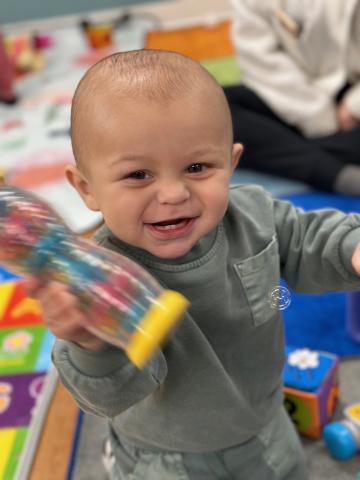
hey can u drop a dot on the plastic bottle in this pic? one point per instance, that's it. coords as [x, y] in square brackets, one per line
[131, 310]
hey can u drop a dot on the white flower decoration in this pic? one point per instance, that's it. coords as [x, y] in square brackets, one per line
[17, 341]
[303, 358]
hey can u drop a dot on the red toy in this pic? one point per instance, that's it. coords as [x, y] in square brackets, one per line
[7, 75]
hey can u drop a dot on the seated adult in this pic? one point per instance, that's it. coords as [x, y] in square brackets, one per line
[297, 110]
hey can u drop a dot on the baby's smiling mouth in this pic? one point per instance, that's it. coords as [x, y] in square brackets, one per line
[172, 228]
[171, 224]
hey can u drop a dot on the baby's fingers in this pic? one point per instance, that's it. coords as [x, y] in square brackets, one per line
[356, 259]
[64, 316]
[55, 299]
[68, 324]
[31, 286]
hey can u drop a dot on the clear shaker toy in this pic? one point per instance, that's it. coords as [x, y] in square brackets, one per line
[129, 308]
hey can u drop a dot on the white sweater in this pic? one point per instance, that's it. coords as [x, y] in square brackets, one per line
[297, 54]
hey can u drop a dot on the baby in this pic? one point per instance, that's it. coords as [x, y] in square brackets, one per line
[152, 138]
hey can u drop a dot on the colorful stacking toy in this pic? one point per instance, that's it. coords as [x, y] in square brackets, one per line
[128, 307]
[311, 388]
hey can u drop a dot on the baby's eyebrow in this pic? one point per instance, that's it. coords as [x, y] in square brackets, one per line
[190, 155]
[203, 152]
[128, 157]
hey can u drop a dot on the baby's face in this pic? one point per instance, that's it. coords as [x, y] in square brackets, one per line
[159, 173]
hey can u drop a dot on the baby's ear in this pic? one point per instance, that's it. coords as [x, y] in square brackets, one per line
[79, 181]
[237, 151]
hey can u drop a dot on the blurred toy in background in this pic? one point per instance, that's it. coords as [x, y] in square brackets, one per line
[343, 438]
[100, 35]
[353, 315]
[42, 41]
[128, 307]
[26, 51]
[311, 389]
[7, 75]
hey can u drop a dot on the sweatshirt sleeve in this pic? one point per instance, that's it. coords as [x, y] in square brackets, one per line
[274, 75]
[105, 382]
[316, 248]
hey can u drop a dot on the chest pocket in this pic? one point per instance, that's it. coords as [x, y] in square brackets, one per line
[260, 275]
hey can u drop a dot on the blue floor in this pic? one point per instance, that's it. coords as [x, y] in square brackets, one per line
[276, 185]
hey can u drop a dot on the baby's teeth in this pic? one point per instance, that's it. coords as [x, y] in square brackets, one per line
[172, 226]
[168, 227]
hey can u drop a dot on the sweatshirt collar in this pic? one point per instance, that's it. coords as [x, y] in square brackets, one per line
[199, 252]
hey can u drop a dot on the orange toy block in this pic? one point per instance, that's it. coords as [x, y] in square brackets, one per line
[311, 393]
[15, 307]
[199, 43]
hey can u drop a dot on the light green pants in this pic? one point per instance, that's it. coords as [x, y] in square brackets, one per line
[275, 454]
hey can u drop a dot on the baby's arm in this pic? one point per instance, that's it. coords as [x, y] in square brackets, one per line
[319, 250]
[99, 376]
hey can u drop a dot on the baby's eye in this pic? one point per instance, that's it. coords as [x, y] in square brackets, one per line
[138, 175]
[196, 168]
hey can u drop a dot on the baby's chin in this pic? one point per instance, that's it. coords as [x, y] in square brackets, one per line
[170, 252]
[173, 254]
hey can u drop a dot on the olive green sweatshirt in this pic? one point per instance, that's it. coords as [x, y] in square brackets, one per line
[218, 380]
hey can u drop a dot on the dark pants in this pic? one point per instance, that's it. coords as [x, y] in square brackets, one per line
[274, 147]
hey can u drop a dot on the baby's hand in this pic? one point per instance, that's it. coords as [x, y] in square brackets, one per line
[355, 260]
[63, 315]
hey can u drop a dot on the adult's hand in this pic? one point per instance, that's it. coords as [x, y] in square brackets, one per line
[346, 119]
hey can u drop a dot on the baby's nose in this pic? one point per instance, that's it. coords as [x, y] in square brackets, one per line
[173, 192]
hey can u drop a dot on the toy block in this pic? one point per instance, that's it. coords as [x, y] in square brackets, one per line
[15, 307]
[311, 389]
[198, 42]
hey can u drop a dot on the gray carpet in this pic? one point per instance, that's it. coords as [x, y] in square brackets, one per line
[322, 467]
